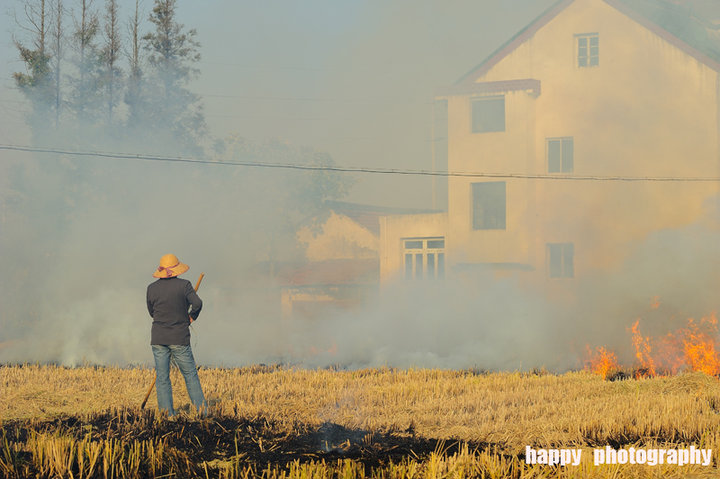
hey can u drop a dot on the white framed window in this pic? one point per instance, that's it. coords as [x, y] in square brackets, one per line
[588, 49]
[424, 258]
[488, 205]
[559, 153]
[488, 114]
[560, 260]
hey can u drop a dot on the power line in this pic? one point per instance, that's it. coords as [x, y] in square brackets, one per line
[269, 67]
[350, 169]
[360, 100]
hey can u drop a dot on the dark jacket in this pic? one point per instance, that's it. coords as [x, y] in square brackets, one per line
[168, 301]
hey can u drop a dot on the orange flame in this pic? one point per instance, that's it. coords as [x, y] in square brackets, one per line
[601, 362]
[642, 351]
[699, 346]
[691, 348]
[668, 354]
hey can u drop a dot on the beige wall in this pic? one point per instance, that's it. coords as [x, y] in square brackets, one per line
[511, 151]
[395, 228]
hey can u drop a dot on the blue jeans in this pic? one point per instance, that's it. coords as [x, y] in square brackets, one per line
[183, 357]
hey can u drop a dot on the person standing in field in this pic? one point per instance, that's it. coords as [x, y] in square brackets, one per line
[173, 305]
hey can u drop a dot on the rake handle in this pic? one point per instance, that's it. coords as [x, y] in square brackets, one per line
[147, 395]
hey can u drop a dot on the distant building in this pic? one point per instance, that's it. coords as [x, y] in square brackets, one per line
[341, 265]
[591, 90]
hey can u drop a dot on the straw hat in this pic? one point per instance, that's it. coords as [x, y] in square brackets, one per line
[170, 267]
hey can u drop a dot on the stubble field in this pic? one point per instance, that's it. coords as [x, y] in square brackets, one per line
[295, 423]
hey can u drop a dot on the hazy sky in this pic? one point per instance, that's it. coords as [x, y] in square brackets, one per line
[352, 78]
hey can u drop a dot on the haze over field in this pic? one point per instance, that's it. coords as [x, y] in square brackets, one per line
[320, 82]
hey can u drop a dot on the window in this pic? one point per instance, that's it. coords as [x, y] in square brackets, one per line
[560, 260]
[488, 114]
[488, 207]
[588, 49]
[424, 258]
[559, 153]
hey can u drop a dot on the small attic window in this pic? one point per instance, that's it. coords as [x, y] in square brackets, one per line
[588, 49]
[488, 114]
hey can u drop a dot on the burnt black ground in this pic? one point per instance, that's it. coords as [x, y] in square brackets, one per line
[193, 441]
[255, 441]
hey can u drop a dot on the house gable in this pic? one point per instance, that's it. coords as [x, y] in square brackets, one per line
[646, 87]
[516, 54]
[513, 44]
[665, 35]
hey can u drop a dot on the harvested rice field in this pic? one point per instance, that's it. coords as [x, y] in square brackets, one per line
[297, 423]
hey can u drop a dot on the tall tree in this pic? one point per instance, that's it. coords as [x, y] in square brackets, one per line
[36, 82]
[58, 51]
[133, 93]
[109, 56]
[84, 96]
[172, 52]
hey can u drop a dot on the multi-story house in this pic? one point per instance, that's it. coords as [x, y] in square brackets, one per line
[583, 131]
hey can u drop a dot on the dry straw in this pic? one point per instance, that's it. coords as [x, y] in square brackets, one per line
[486, 421]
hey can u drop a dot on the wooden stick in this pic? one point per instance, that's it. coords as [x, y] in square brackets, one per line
[147, 395]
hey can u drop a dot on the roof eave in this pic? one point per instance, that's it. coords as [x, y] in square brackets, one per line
[530, 85]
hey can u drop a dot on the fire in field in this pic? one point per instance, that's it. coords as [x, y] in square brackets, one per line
[432, 247]
[690, 348]
[293, 422]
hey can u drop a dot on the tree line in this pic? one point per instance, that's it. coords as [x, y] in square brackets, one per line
[95, 81]
[91, 74]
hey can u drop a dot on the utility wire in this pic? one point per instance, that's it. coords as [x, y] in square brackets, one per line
[350, 169]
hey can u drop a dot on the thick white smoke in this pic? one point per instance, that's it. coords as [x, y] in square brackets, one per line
[81, 236]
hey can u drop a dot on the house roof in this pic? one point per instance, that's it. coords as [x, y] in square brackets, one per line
[334, 272]
[679, 26]
[368, 216]
[689, 26]
[527, 84]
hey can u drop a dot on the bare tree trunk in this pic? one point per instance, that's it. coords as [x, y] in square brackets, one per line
[42, 30]
[58, 53]
[133, 93]
[112, 48]
[135, 35]
[85, 90]
[82, 33]
[36, 16]
[35, 23]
